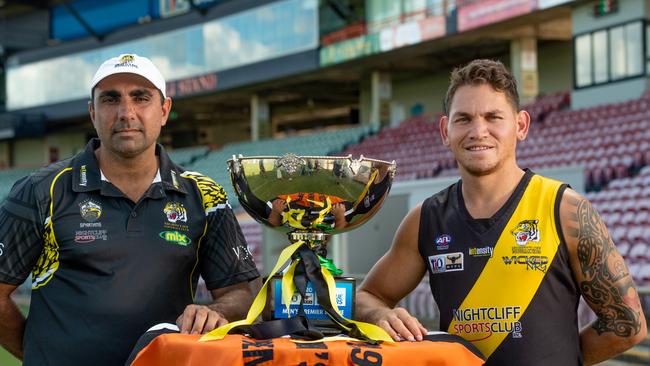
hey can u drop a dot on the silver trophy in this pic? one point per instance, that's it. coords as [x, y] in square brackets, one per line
[311, 198]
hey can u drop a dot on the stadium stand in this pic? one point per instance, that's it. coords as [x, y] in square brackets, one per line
[625, 207]
[187, 155]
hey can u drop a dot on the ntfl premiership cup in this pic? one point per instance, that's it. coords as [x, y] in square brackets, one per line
[310, 198]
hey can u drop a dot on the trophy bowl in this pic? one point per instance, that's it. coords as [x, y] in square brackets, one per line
[311, 197]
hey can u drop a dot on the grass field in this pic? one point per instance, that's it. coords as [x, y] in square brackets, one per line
[7, 359]
[268, 187]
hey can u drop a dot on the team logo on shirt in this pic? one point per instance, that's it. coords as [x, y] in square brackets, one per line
[90, 211]
[449, 262]
[443, 241]
[526, 231]
[2, 247]
[175, 212]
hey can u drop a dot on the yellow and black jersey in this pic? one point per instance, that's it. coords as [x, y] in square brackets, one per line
[104, 268]
[504, 283]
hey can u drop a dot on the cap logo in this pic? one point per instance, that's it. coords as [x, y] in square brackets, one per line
[126, 60]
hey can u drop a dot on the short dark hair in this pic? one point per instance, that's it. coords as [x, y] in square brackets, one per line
[479, 72]
[92, 96]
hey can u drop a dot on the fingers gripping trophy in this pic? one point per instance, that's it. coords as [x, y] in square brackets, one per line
[310, 198]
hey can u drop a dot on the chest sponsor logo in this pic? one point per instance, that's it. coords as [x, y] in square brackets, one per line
[443, 241]
[526, 232]
[90, 211]
[449, 262]
[475, 324]
[481, 252]
[175, 237]
[2, 247]
[532, 262]
[175, 212]
[88, 236]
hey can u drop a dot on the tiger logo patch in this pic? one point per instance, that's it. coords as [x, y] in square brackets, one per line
[175, 212]
[526, 231]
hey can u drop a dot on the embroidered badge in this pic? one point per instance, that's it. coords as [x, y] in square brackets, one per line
[90, 211]
[175, 212]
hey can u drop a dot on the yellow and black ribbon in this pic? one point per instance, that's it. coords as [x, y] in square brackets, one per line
[307, 267]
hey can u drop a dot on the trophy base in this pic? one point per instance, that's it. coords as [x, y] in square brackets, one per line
[345, 301]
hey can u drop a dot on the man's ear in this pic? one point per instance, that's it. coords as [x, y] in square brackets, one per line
[166, 108]
[523, 124]
[91, 111]
[444, 124]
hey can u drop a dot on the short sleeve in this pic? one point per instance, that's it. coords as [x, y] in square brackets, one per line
[224, 255]
[21, 233]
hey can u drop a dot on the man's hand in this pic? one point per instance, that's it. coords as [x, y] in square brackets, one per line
[400, 325]
[338, 211]
[279, 206]
[275, 216]
[199, 319]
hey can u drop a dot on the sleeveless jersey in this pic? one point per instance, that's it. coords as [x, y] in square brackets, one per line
[504, 283]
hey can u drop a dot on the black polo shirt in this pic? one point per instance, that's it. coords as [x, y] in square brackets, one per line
[105, 269]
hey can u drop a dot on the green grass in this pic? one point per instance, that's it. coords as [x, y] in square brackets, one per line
[6, 359]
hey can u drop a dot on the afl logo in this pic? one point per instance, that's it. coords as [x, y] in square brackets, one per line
[443, 241]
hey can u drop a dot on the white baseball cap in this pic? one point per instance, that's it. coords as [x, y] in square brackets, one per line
[130, 63]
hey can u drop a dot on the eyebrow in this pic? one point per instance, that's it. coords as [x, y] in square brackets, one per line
[494, 111]
[467, 114]
[140, 93]
[133, 93]
[460, 114]
[109, 93]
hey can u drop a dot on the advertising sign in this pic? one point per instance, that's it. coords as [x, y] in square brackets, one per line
[411, 33]
[486, 12]
[349, 49]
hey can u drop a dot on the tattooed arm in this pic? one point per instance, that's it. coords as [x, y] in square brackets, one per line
[604, 281]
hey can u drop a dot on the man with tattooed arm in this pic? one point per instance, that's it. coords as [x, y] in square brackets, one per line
[508, 252]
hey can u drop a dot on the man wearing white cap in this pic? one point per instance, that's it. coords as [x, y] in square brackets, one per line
[116, 237]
